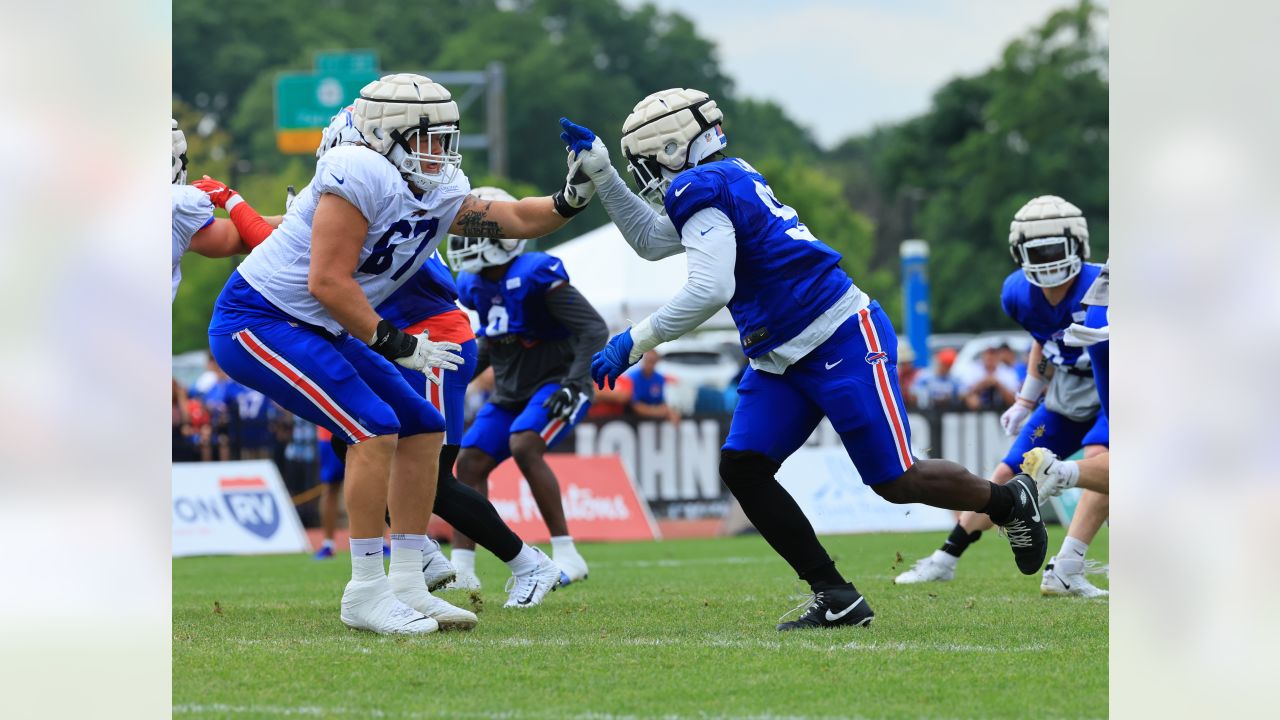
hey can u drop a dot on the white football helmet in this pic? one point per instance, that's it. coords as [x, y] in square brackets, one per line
[340, 131]
[666, 133]
[413, 122]
[1049, 238]
[179, 155]
[473, 254]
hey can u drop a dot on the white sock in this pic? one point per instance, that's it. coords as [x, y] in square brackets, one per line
[563, 544]
[409, 542]
[463, 560]
[945, 558]
[366, 559]
[1070, 559]
[526, 561]
[326, 543]
[1069, 471]
[405, 571]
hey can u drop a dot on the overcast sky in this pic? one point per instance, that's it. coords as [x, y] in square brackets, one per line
[841, 67]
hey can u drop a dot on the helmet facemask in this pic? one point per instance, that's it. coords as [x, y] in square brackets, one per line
[429, 147]
[1049, 261]
[651, 182]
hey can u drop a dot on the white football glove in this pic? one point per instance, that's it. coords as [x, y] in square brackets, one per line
[427, 355]
[1015, 417]
[578, 190]
[1080, 336]
[415, 352]
[595, 160]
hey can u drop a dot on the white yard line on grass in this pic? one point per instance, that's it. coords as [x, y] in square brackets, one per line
[708, 642]
[314, 711]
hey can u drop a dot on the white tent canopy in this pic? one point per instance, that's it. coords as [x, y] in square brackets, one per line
[624, 287]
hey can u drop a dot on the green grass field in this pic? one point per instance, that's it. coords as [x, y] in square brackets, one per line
[678, 629]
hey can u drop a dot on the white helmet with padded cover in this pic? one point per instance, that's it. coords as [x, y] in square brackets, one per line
[668, 132]
[473, 254]
[413, 121]
[1049, 238]
[179, 155]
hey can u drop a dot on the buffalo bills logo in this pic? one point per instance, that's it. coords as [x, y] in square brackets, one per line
[877, 357]
[251, 504]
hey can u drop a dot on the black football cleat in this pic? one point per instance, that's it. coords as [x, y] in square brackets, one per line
[831, 608]
[1024, 529]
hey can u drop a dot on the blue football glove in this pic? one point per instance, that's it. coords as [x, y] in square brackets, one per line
[587, 149]
[609, 364]
[576, 137]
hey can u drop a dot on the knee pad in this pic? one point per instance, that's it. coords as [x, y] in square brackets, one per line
[739, 467]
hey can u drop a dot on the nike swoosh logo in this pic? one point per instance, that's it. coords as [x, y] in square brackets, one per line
[529, 598]
[831, 365]
[375, 552]
[704, 232]
[686, 187]
[553, 267]
[335, 177]
[832, 617]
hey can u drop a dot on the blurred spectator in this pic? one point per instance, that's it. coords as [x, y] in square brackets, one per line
[935, 386]
[907, 372]
[182, 448]
[990, 384]
[331, 470]
[1018, 362]
[648, 398]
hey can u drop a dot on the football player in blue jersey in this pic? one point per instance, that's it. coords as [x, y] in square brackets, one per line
[1052, 475]
[817, 345]
[538, 332]
[1049, 239]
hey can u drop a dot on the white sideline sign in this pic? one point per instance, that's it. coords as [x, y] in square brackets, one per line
[233, 508]
[829, 490]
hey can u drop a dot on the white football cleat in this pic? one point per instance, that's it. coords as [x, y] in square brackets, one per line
[1067, 577]
[437, 571]
[464, 581]
[573, 566]
[938, 567]
[450, 617]
[371, 605]
[528, 589]
[1042, 465]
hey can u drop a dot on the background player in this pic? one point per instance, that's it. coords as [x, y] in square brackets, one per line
[1049, 239]
[194, 227]
[539, 334]
[297, 322]
[817, 344]
[1052, 475]
[331, 486]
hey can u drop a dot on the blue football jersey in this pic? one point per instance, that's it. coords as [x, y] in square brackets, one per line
[1026, 304]
[785, 277]
[428, 292]
[516, 304]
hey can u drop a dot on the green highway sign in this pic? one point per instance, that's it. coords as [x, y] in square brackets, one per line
[306, 101]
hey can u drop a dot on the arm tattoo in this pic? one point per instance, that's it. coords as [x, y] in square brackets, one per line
[474, 221]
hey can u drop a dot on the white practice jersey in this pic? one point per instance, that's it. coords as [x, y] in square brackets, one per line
[192, 210]
[403, 232]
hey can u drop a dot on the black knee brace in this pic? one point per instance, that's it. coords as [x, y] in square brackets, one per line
[740, 469]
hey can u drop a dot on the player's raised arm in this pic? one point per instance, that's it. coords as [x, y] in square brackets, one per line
[246, 230]
[646, 230]
[527, 218]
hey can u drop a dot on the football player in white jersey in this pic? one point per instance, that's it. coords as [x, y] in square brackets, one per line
[194, 227]
[296, 321]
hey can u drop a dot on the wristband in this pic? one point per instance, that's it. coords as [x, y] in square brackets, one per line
[643, 339]
[389, 342]
[233, 201]
[1031, 390]
[562, 206]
